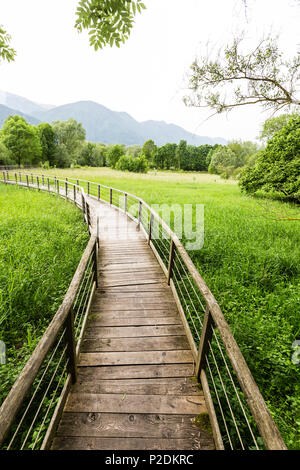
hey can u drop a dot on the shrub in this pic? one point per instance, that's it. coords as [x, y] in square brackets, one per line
[136, 165]
[278, 166]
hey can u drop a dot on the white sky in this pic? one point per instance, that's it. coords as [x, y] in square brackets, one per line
[145, 77]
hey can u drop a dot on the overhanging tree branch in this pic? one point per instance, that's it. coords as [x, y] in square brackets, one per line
[236, 79]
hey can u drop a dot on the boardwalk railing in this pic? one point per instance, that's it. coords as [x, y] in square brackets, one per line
[32, 409]
[238, 413]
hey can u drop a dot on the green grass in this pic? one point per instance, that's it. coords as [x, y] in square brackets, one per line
[250, 261]
[42, 239]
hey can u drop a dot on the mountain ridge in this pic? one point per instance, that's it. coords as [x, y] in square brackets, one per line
[101, 123]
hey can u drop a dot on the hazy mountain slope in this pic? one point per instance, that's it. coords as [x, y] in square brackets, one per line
[103, 125]
[21, 104]
[5, 112]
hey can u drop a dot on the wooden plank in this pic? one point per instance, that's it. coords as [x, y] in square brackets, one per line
[160, 343]
[163, 386]
[128, 282]
[142, 288]
[136, 295]
[133, 332]
[129, 425]
[113, 314]
[121, 403]
[98, 320]
[135, 372]
[135, 304]
[135, 357]
[94, 443]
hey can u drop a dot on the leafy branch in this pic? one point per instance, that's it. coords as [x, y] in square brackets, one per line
[109, 22]
[6, 52]
[261, 76]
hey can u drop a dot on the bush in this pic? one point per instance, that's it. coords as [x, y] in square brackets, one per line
[136, 165]
[278, 166]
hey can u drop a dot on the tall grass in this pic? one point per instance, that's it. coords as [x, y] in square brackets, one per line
[42, 238]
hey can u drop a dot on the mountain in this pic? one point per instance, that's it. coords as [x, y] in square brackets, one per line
[107, 126]
[5, 112]
[101, 123]
[22, 104]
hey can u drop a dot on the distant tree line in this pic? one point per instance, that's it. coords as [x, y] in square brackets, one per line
[272, 166]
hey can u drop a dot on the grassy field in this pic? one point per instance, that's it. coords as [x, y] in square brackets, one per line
[42, 239]
[250, 260]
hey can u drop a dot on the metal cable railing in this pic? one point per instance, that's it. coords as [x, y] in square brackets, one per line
[238, 414]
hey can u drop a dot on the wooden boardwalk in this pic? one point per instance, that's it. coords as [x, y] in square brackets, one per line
[135, 387]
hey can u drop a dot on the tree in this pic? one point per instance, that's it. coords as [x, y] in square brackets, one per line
[109, 22]
[91, 155]
[222, 158]
[149, 148]
[114, 153]
[6, 52]
[71, 135]
[182, 155]
[273, 125]
[5, 156]
[278, 166]
[261, 76]
[48, 142]
[22, 140]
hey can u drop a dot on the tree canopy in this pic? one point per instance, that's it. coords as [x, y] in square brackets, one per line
[278, 165]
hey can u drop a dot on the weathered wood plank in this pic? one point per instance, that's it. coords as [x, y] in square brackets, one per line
[160, 386]
[133, 332]
[133, 313]
[129, 425]
[94, 443]
[135, 372]
[135, 357]
[160, 343]
[98, 320]
[122, 403]
[148, 295]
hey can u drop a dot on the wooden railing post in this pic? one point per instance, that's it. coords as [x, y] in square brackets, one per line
[38, 182]
[43, 180]
[66, 189]
[95, 265]
[98, 192]
[16, 178]
[74, 193]
[83, 204]
[206, 336]
[57, 182]
[4, 179]
[88, 188]
[71, 346]
[125, 203]
[150, 228]
[48, 184]
[20, 177]
[27, 180]
[171, 261]
[110, 196]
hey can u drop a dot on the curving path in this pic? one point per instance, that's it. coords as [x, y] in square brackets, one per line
[135, 388]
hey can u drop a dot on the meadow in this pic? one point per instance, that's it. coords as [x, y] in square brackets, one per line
[250, 261]
[42, 239]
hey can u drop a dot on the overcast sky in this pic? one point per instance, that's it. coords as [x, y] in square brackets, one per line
[147, 76]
